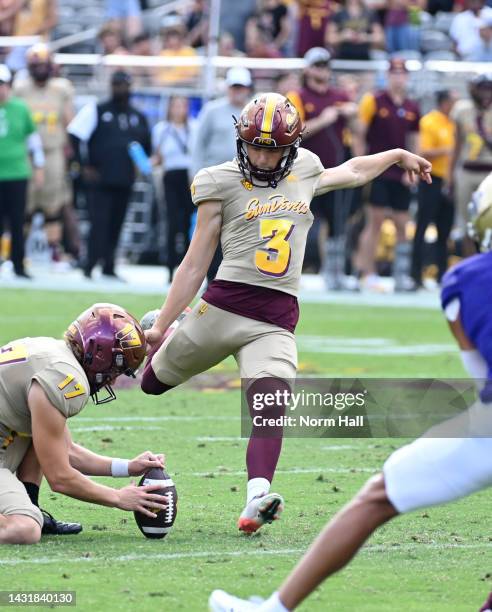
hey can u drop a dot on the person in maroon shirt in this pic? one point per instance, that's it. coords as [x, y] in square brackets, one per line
[388, 119]
[327, 113]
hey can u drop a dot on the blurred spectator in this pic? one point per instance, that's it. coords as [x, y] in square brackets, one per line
[111, 41]
[227, 46]
[312, 19]
[173, 33]
[465, 27]
[272, 18]
[102, 134]
[287, 82]
[482, 52]
[125, 14]
[326, 112]
[215, 137]
[354, 31]
[440, 6]
[473, 154]
[8, 14]
[390, 121]
[233, 16]
[402, 23]
[258, 42]
[35, 17]
[142, 45]
[171, 146]
[50, 100]
[436, 143]
[18, 136]
[197, 24]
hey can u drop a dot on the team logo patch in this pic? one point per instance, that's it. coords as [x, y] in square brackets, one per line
[193, 189]
[247, 185]
[203, 309]
[128, 337]
[292, 178]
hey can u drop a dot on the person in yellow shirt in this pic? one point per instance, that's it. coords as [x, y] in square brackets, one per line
[437, 139]
[173, 34]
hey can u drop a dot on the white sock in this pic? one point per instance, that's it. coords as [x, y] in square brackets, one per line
[273, 604]
[256, 486]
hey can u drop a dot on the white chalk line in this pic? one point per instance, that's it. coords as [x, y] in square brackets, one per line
[236, 553]
[334, 470]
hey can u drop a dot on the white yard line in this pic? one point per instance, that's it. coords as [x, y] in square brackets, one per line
[334, 470]
[234, 553]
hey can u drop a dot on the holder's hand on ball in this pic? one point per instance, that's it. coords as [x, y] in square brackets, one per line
[144, 462]
[141, 499]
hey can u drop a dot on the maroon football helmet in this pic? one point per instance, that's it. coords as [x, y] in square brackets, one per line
[270, 121]
[108, 342]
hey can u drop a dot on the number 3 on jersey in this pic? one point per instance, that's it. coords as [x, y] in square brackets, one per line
[274, 258]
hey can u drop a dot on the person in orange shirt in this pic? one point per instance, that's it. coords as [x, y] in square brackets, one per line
[437, 140]
[173, 34]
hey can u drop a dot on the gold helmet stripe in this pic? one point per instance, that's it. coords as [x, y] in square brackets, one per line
[268, 114]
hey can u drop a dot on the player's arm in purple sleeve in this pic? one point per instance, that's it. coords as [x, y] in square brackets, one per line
[361, 170]
[192, 270]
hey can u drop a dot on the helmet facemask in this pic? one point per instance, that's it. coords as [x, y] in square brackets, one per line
[268, 121]
[267, 178]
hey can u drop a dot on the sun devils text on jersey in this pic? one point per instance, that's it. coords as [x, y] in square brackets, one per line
[264, 230]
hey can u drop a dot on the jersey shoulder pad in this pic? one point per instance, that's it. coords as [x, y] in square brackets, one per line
[66, 387]
[206, 187]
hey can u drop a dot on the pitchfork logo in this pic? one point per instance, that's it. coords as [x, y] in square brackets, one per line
[128, 337]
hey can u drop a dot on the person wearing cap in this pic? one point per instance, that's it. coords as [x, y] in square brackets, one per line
[388, 119]
[173, 34]
[101, 134]
[18, 139]
[214, 141]
[50, 99]
[328, 114]
[472, 159]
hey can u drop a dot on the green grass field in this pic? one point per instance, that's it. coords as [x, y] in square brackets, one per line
[436, 560]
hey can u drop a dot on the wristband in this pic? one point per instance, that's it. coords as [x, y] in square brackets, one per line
[119, 468]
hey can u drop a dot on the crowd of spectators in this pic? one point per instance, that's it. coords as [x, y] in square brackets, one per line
[342, 119]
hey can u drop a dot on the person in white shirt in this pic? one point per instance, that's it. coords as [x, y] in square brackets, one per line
[465, 27]
[171, 147]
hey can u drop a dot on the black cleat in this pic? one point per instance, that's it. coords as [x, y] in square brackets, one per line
[53, 527]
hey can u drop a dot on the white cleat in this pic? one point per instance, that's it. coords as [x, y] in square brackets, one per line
[220, 601]
[262, 509]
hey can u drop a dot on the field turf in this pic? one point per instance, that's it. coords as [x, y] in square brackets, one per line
[438, 560]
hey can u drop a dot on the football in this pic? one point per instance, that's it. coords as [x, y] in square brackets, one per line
[149, 319]
[160, 526]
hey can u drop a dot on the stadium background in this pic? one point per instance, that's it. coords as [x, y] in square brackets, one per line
[429, 560]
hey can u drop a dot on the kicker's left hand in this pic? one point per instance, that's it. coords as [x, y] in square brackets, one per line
[415, 166]
[145, 462]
